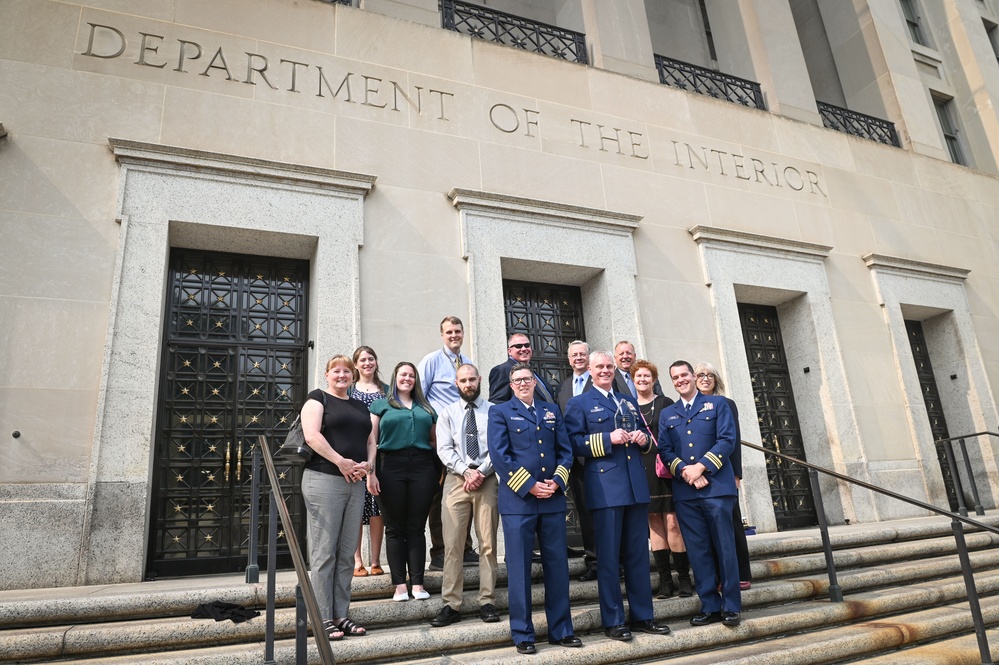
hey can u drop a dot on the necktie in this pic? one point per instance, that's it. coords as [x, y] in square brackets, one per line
[530, 410]
[471, 433]
[457, 362]
[687, 408]
[577, 387]
[539, 387]
[631, 384]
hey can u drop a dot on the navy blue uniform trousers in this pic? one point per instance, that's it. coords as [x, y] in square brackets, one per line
[706, 525]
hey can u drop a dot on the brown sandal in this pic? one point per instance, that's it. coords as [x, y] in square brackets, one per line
[360, 571]
[333, 631]
[377, 570]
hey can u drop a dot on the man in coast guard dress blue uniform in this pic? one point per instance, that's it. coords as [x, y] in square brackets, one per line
[696, 440]
[530, 451]
[617, 496]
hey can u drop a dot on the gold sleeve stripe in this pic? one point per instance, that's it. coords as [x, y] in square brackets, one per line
[672, 467]
[714, 459]
[519, 478]
[596, 444]
[562, 473]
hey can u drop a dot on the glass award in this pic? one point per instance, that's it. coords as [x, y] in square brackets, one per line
[626, 418]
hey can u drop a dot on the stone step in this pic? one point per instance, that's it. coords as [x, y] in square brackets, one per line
[868, 623]
[407, 623]
[775, 555]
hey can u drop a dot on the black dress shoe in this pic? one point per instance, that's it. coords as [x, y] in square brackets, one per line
[731, 618]
[535, 557]
[567, 641]
[574, 553]
[526, 648]
[648, 626]
[445, 617]
[436, 562]
[589, 575]
[618, 633]
[704, 618]
[488, 613]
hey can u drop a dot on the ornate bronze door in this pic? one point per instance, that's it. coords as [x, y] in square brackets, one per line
[931, 399]
[233, 369]
[551, 315]
[790, 489]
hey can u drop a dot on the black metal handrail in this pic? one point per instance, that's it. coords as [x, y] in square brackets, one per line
[305, 592]
[513, 30]
[703, 81]
[858, 124]
[835, 594]
[958, 488]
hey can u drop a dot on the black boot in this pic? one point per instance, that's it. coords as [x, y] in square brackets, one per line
[682, 565]
[665, 574]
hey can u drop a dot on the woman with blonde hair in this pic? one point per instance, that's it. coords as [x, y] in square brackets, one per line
[709, 382]
[406, 477]
[338, 429]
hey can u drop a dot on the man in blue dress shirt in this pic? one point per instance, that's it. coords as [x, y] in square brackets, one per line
[696, 440]
[438, 371]
[530, 451]
[617, 495]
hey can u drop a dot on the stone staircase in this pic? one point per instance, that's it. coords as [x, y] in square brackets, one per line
[905, 602]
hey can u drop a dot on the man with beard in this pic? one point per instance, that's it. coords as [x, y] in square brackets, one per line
[470, 491]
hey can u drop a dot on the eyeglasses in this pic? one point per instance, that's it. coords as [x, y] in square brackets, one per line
[525, 345]
[523, 380]
[705, 376]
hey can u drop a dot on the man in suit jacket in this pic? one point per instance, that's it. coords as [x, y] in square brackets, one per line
[519, 349]
[696, 441]
[577, 384]
[624, 357]
[532, 456]
[617, 494]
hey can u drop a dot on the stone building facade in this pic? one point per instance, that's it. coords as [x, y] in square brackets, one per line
[202, 201]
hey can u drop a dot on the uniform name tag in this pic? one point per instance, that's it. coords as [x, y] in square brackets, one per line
[516, 418]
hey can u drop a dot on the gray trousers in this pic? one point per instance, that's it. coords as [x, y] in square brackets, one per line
[335, 510]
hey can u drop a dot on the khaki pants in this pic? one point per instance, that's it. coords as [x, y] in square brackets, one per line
[460, 507]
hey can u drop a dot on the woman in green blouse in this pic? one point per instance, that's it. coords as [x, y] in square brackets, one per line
[405, 476]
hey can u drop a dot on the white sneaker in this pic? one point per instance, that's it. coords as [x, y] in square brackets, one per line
[420, 595]
[399, 597]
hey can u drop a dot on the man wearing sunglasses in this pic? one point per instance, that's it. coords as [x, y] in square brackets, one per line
[518, 350]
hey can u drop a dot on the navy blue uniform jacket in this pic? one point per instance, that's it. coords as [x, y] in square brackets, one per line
[614, 475]
[707, 436]
[524, 452]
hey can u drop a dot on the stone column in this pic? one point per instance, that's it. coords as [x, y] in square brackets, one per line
[757, 40]
[870, 43]
[618, 38]
[417, 11]
[973, 73]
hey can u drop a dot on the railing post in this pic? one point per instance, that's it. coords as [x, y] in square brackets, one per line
[272, 524]
[971, 478]
[252, 566]
[301, 629]
[955, 477]
[969, 584]
[835, 592]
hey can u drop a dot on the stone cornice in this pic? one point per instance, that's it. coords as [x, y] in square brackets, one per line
[561, 214]
[156, 156]
[912, 268]
[742, 240]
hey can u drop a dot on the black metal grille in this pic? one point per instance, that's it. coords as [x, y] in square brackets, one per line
[512, 30]
[233, 369]
[683, 75]
[790, 488]
[551, 316]
[931, 399]
[858, 124]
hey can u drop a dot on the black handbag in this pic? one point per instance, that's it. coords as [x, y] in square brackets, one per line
[295, 449]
